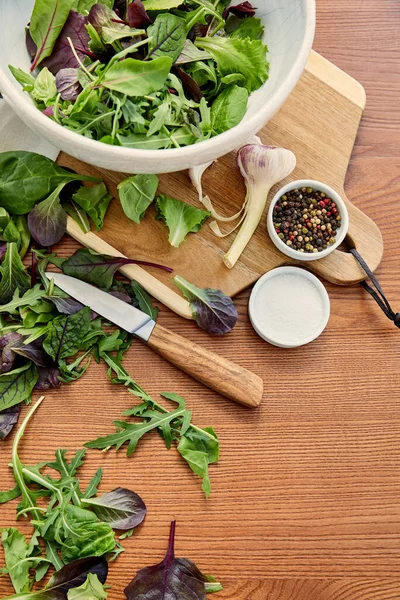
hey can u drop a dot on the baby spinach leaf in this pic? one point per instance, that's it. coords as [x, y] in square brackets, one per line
[8, 418]
[136, 193]
[66, 333]
[47, 20]
[180, 218]
[94, 201]
[236, 55]
[229, 108]
[137, 15]
[144, 300]
[212, 310]
[167, 36]
[26, 80]
[136, 77]
[97, 269]
[121, 508]
[26, 178]
[17, 385]
[45, 88]
[13, 274]
[47, 222]
[91, 589]
[171, 578]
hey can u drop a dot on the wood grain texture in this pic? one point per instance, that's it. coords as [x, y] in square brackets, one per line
[319, 123]
[219, 374]
[305, 500]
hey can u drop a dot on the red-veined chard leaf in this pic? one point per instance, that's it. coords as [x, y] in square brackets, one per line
[97, 269]
[8, 418]
[181, 218]
[13, 274]
[167, 36]
[121, 508]
[66, 333]
[47, 20]
[68, 577]
[17, 385]
[39, 174]
[47, 222]
[172, 578]
[212, 310]
[244, 9]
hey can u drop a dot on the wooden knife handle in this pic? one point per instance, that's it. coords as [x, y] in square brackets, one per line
[214, 371]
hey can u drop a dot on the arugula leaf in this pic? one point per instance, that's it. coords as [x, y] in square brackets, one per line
[13, 274]
[180, 218]
[181, 136]
[47, 20]
[136, 77]
[171, 578]
[136, 193]
[17, 385]
[167, 36]
[144, 300]
[66, 333]
[121, 508]
[30, 297]
[8, 418]
[45, 88]
[47, 222]
[91, 589]
[10, 495]
[212, 310]
[229, 108]
[26, 178]
[98, 269]
[236, 55]
[19, 558]
[94, 201]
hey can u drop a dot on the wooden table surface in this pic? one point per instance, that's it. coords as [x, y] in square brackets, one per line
[306, 496]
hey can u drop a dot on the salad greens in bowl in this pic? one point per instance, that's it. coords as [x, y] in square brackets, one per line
[151, 86]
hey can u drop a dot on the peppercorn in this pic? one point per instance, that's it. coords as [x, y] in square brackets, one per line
[306, 219]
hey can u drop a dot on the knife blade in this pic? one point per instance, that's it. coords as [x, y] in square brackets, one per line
[117, 311]
[214, 371]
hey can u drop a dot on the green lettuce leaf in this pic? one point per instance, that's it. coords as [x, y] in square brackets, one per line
[136, 193]
[180, 218]
[94, 201]
[248, 28]
[236, 55]
[229, 108]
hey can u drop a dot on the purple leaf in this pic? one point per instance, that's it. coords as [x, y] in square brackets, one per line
[244, 9]
[48, 378]
[30, 44]
[172, 578]
[97, 269]
[137, 15]
[190, 86]
[47, 221]
[8, 418]
[68, 84]
[8, 356]
[3, 249]
[122, 295]
[66, 306]
[121, 508]
[32, 351]
[49, 111]
[62, 56]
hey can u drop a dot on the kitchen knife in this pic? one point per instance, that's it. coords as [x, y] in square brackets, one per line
[219, 374]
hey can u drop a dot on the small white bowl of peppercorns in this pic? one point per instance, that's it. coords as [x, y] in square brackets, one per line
[307, 220]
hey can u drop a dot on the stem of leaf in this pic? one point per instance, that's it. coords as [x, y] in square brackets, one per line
[88, 73]
[99, 118]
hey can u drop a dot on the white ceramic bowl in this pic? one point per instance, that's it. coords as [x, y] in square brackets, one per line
[256, 306]
[289, 33]
[330, 192]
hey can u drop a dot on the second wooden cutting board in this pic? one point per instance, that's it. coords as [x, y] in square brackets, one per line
[319, 123]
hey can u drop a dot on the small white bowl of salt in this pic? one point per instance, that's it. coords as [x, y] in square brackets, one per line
[289, 307]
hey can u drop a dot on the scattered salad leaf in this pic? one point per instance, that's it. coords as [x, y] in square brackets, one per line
[180, 218]
[212, 310]
[94, 201]
[47, 20]
[39, 174]
[91, 589]
[8, 418]
[47, 222]
[13, 275]
[121, 508]
[171, 578]
[136, 193]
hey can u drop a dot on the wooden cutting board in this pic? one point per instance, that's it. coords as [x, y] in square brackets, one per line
[319, 123]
